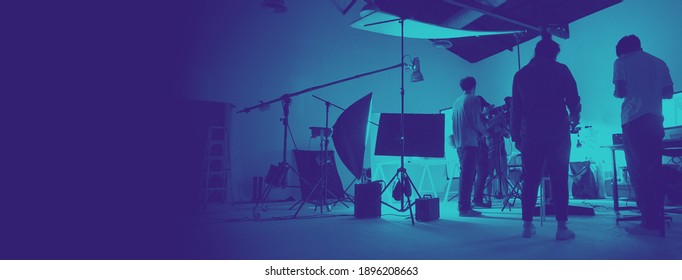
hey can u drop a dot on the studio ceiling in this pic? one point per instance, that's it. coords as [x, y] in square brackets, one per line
[525, 16]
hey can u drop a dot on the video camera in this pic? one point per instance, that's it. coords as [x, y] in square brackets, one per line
[496, 118]
[492, 112]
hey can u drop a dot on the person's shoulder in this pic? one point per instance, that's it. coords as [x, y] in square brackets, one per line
[521, 71]
[460, 98]
[639, 56]
[469, 98]
[655, 58]
[560, 65]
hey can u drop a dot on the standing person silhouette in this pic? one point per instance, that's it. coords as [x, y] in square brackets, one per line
[642, 81]
[540, 125]
[466, 127]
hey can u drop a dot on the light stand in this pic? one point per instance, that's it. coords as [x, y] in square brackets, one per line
[404, 184]
[346, 196]
[280, 173]
[323, 182]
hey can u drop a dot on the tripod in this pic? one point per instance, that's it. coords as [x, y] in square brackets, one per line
[501, 176]
[497, 149]
[404, 185]
[323, 182]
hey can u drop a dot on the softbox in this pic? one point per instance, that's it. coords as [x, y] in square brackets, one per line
[350, 134]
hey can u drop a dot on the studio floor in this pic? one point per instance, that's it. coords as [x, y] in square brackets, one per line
[234, 232]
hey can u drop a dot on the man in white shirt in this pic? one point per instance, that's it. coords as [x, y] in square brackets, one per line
[642, 81]
[466, 126]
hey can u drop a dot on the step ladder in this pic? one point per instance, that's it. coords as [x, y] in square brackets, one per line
[217, 179]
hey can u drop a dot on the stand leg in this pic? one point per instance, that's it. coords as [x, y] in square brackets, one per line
[402, 173]
[409, 206]
[346, 195]
[261, 200]
[302, 201]
[322, 199]
[512, 193]
[386, 187]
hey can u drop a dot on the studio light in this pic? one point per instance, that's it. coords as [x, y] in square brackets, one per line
[276, 6]
[417, 74]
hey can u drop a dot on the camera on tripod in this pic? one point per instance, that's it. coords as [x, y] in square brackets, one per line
[492, 112]
[496, 119]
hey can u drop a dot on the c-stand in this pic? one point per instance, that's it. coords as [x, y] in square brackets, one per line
[323, 182]
[279, 175]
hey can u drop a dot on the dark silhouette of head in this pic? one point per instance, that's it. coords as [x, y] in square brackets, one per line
[547, 48]
[507, 100]
[627, 45]
[467, 84]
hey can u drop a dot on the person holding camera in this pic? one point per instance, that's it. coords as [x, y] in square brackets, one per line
[540, 128]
